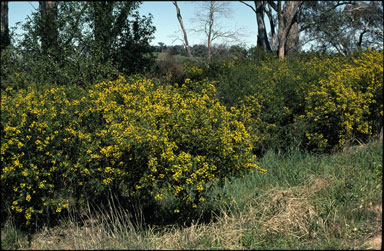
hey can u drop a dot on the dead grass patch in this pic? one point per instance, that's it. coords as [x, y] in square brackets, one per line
[106, 231]
[223, 233]
[375, 242]
[290, 211]
[285, 211]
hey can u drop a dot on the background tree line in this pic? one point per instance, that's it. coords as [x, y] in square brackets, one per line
[342, 26]
[101, 39]
[89, 40]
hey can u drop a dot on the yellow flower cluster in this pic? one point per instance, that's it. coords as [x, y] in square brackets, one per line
[192, 70]
[317, 103]
[347, 101]
[35, 124]
[124, 134]
[173, 138]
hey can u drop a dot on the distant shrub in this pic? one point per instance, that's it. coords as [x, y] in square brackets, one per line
[169, 70]
[194, 70]
[259, 54]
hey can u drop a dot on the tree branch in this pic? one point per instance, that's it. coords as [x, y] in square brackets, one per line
[76, 23]
[250, 6]
[273, 5]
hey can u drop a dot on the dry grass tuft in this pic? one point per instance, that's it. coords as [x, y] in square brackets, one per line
[287, 212]
[107, 230]
[290, 211]
[375, 242]
[226, 232]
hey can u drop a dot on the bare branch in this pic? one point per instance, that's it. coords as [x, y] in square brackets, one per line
[186, 44]
[273, 5]
[250, 6]
[208, 20]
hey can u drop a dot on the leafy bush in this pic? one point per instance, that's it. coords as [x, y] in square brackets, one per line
[259, 54]
[317, 102]
[84, 43]
[37, 148]
[169, 69]
[61, 146]
[20, 68]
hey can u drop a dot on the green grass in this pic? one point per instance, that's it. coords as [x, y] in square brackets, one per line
[304, 202]
[339, 189]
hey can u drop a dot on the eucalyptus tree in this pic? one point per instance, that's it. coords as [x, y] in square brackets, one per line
[288, 29]
[48, 28]
[189, 54]
[286, 39]
[83, 42]
[259, 9]
[343, 26]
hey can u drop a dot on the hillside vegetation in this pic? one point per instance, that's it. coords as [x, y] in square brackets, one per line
[305, 202]
[244, 152]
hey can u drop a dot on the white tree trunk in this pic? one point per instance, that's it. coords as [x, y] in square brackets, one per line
[286, 17]
[183, 29]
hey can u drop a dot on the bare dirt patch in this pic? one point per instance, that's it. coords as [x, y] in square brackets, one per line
[376, 241]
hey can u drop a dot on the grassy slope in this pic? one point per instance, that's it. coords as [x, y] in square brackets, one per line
[304, 202]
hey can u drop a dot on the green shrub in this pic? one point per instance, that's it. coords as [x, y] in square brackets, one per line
[271, 91]
[19, 69]
[169, 69]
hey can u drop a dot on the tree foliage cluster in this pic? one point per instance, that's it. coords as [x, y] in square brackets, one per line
[80, 42]
[343, 26]
[83, 42]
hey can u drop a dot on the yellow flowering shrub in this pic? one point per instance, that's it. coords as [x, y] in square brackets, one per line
[123, 136]
[345, 103]
[168, 139]
[270, 93]
[37, 149]
[61, 146]
[316, 102]
[193, 71]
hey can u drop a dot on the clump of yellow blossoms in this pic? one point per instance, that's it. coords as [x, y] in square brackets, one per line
[132, 135]
[347, 102]
[122, 135]
[168, 139]
[315, 103]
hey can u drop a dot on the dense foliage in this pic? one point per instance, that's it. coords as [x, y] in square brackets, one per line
[95, 41]
[66, 145]
[316, 102]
